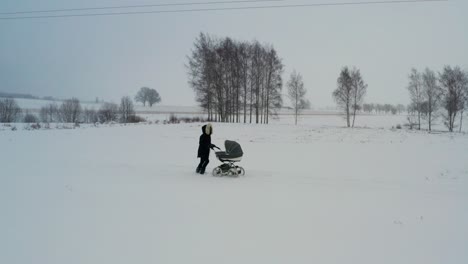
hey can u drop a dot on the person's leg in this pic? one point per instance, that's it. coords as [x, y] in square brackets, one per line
[200, 165]
[205, 163]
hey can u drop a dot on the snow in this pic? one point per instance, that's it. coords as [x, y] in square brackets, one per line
[312, 193]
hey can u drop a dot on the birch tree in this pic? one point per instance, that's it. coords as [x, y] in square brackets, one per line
[296, 93]
[343, 93]
[358, 91]
[431, 94]
[453, 82]
[415, 89]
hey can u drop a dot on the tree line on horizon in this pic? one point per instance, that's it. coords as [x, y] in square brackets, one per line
[70, 111]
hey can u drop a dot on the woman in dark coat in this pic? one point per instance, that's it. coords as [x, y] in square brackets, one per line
[204, 148]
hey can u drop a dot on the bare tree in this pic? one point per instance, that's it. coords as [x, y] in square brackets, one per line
[142, 95]
[431, 94]
[9, 110]
[296, 93]
[201, 74]
[70, 111]
[90, 116]
[147, 95]
[415, 89]
[465, 103]
[343, 94]
[109, 112]
[453, 82]
[127, 111]
[153, 97]
[358, 91]
[49, 113]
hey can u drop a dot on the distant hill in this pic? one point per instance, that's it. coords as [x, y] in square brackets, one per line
[17, 95]
[25, 96]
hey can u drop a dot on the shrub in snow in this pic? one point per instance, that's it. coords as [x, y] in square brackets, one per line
[136, 119]
[30, 118]
[186, 119]
[109, 112]
[197, 119]
[173, 119]
[32, 126]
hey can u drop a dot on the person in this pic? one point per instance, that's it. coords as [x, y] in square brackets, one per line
[204, 148]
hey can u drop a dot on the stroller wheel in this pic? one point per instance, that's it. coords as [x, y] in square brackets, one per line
[233, 172]
[217, 172]
[240, 171]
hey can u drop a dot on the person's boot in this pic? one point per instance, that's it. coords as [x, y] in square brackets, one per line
[202, 171]
[198, 170]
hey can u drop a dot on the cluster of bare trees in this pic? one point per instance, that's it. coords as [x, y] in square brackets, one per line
[9, 110]
[432, 95]
[383, 109]
[235, 80]
[109, 112]
[350, 92]
[70, 111]
[148, 95]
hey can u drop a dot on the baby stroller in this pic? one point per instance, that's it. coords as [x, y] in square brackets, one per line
[229, 157]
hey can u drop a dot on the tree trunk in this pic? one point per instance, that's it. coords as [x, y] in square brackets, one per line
[461, 121]
[245, 104]
[296, 117]
[430, 117]
[296, 105]
[354, 115]
[251, 100]
[419, 120]
[347, 115]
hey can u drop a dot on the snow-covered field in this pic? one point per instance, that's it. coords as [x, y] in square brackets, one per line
[312, 193]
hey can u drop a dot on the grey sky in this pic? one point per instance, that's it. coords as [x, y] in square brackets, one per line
[109, 57]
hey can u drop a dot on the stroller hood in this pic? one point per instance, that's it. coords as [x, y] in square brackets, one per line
[233, 148]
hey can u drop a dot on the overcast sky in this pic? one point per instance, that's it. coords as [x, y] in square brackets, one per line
[112, 56]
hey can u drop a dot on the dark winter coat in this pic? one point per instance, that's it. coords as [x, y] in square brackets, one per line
[205, 141]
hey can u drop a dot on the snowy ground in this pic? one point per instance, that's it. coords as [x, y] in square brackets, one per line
[313, 193]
